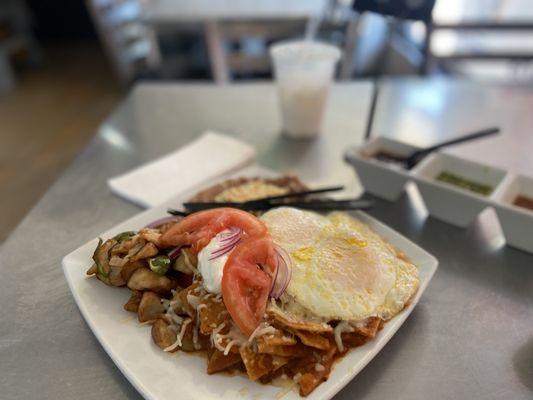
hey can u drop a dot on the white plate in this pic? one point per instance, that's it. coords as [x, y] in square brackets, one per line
[159, 375]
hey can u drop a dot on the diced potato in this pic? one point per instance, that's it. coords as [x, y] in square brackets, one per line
[129, 268]
[148, 250]
[145, 279]
[150, 307]
[125, 246]
[115, 276]
[163, 335]
[93, 270]
[150, 235]
[134, 301]
[187, 343]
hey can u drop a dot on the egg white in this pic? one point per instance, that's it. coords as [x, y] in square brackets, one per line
[341, 269]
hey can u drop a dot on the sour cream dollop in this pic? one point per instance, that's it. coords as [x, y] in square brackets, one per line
[212, 270]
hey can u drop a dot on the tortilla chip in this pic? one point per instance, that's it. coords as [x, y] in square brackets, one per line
[219, 362]
[286, 320]
[212, 315]
[312, 340]
[353, 339]
[298, 350]
[278, 338]
[134, 301]
[258, 365]
[370, 329]
[313, 369]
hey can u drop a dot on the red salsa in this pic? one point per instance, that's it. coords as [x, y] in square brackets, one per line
[523, 201]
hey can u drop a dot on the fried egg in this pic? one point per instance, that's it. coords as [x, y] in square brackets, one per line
[341, 269]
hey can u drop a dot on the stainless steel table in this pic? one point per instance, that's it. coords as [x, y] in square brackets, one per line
[471, 335]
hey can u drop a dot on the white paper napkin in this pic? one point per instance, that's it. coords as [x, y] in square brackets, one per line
[206, 158]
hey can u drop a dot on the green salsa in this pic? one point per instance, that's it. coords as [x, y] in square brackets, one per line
[467, 184]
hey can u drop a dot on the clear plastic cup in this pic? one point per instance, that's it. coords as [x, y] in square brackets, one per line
[304, 71]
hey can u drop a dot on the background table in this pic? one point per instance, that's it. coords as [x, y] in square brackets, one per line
[210, 13]
[469, 337]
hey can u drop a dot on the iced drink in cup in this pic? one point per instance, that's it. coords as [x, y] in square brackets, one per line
[304, 71]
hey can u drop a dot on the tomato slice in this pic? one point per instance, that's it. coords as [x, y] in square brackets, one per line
[247, 280]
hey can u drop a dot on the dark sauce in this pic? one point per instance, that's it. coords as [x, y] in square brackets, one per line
[395, 159]
[389, 158]
[524, 202]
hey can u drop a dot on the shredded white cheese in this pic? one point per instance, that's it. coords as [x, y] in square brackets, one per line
[165, 303]
[339, 329]
[319, 367]
[179, 338]
[262, 329]
[197, 326]
[194, 301]
[215, 336]
[230, 345]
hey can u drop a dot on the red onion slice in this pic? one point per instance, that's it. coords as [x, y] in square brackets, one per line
[228, 240]
[175, 253]
[221, 251]
[283, 273]
[162, 221]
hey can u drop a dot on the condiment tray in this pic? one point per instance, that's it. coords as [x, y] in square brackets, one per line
[516, 222]
[453, 203]
[382, 179]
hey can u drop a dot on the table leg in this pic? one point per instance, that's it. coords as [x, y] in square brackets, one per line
[217, 52]
[347, 62]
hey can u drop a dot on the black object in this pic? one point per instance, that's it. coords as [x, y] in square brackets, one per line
[419, 10]
[411, 160]
[191, 205]
[177, 212]
[318, 205]
[267, 203]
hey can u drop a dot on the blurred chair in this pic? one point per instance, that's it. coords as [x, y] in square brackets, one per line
[15, 37]
[130, 45]
[395, 12]
[482, 42]
[376, 31]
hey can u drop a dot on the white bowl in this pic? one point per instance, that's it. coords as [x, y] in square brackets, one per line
[448, 202]
[380, 178]
[516, 222]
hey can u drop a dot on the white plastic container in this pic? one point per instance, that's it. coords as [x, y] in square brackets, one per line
[447, 202]
[516, 222]
[304, 71]
[380, 178]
